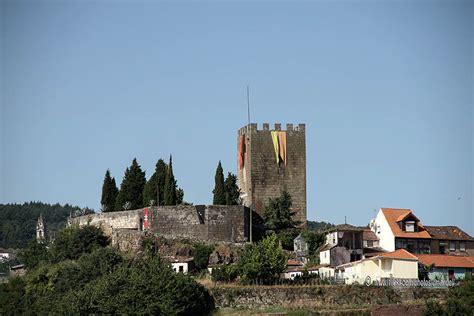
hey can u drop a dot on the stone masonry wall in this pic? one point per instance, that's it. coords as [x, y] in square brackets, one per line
[262, 178]
[109, 221]
[216, 223]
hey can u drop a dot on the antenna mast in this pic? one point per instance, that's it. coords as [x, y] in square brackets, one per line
[248, 104]
[250, 207]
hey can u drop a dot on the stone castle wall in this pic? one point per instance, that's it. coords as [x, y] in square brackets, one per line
[262, 178]
[215, 223]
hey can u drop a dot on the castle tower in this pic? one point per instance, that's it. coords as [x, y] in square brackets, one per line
[40, 229]
[269, 161]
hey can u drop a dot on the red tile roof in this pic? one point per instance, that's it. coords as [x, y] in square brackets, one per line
[398, 254]
[392, 215]
[446, 261]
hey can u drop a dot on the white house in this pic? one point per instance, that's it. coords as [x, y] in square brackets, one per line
[181, 264]
[400, 228]
[399, 264]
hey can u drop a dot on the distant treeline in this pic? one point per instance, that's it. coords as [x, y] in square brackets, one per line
[319, 226]
[18, 221]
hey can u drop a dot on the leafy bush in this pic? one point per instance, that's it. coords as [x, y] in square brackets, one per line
[264, 260]
[225, 273]
[201, 255]
[72, 242]
[104, 282]
[460, 300]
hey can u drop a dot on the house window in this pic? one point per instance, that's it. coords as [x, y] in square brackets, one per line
[370, 243]
[462, 246]
[442, 247]
[181, 268]
[452, 246]
[410, 226]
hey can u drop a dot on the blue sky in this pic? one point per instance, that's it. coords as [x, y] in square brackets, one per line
[385, 89]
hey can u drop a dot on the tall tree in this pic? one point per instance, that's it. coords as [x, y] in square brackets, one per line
[170, 185]
[278, 214]
[219, 190]
[131, 189]
[109, 193]
[156, 182]
[232, 192]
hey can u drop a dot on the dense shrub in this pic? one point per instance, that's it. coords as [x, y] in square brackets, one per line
[225, 273]
[94, 279]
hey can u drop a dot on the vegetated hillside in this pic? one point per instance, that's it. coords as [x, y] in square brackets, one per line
[319, 226]
[18, 221]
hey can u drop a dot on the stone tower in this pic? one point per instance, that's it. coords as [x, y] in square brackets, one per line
[269, 161]
[40, 229]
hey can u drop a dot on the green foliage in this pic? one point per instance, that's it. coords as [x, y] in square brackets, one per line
[109, 193]
[34, 254]
[219, 190]
[170, 185]
[314, 240]
[460, 300]
[231, 190]
[319, 226]
[156, 181]
[18, 221]
[131, 189]
[72, 242]
[278, 214]
[264, 260]
[287, 236]
[12, 297]
[201, 255]
[225, 273]
[104, 282]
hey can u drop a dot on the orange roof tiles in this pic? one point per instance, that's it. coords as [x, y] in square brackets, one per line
[398, 254]
[446, 261]
[392, 215]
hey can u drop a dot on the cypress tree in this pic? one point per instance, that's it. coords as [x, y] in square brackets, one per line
[219, 191]
[156, 181]
[170, 186]
[131, 189]
[232, 192]
[109, 193]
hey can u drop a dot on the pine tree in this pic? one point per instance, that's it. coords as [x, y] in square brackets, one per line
[170, 186]
[278, 214]
[219, 191]
[232, 192]
[109, 193]
[179, 196]
[156, 181]
[131, 189]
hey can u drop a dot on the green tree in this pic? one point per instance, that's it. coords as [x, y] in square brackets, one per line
[201, 255]
[179, 196]
[219, 190]
[144, 286]
[73, 241]
[232, 192]
[131, 189]
[156, 182]
[170, 185]
[109, 193]
[278, 214]
[314, 240]
[264, 260]
[34, 254]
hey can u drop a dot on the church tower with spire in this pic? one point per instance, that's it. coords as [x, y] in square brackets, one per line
[40, 229]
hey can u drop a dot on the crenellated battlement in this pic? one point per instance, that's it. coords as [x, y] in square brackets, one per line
[253, 127]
